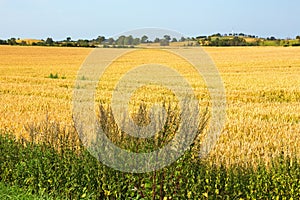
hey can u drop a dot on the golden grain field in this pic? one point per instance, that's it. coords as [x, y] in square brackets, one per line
[262, 88]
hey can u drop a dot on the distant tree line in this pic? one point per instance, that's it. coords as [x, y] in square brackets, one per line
[68, 42]
[235, 41]
[231, 39]
[130, 41]
[241, 39]
[122, 41]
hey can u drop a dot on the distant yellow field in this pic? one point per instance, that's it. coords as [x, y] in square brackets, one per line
[28, 41]
[262, 85]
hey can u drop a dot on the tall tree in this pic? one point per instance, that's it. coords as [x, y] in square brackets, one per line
[110, 41]
[136, 41]
[128, 40]
[49, 41]
[3, 42]
[100, 39]
[174, 40]
[121, 40]
[144, 39]
[167, 37]
[83, 43]
[156, 40]
[12, 41]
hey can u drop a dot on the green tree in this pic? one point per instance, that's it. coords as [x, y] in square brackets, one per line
[174, 40]
[49, 41]
[272, 38]
[216, 35]
[144, 39]
[121, 40]
[100, 39]
[128, 40]
[3, 42]
[110, 41]
[136, 41]
[12, 41]
[83, 43]
[156, 40]
[68, 39]
[167, 37]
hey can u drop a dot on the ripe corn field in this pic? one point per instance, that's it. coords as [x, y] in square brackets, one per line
[262, 90]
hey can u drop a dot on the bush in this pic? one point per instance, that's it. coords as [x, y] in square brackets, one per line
[296, 45]
[53, 162]
[67, 175]
[53, 76]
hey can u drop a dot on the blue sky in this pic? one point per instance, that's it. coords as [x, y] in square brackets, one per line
[88, 19]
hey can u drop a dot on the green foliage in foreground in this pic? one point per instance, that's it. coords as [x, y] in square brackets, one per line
[13, 192]
[40, 170]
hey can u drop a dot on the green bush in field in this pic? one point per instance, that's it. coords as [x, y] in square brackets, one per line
[53, 76]
[13, 192]
[42, 170]
[54, 163]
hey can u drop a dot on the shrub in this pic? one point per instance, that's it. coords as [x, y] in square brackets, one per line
[54, 162]
[296, 45]
[53, 76]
